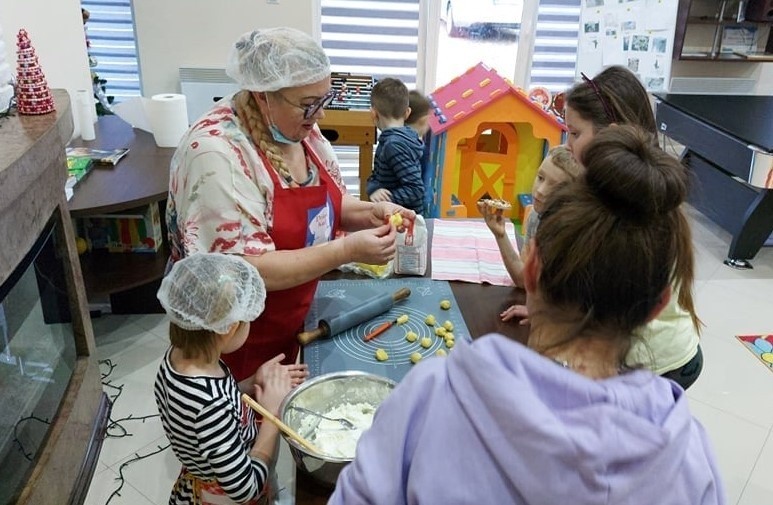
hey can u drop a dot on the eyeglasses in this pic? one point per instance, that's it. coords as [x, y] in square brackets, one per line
[607, 109]
[312, 108]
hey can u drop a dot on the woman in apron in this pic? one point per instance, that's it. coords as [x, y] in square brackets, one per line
[255, 177]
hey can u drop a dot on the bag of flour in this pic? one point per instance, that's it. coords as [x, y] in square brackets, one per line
[411, 256]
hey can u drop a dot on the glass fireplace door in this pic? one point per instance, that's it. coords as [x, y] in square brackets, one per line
[37, 359]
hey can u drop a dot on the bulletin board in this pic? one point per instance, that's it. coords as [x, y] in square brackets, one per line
[637, 34]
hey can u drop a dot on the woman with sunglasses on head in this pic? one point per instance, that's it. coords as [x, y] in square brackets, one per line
[255, 177]
[668, 345]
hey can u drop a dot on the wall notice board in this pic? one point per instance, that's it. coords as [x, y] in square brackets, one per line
[637, 34]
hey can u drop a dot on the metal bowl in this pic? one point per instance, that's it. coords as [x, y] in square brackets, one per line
[321, 394]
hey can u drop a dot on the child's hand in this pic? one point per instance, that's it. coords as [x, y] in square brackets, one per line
[298, 373]
[493, 218]
[277, 383]
[381, 195]
[263, 370]
[514, 311]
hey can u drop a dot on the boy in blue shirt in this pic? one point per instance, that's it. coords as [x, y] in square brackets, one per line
[396, 173]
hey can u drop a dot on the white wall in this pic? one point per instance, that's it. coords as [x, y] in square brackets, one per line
[199, 33]
[56, 31]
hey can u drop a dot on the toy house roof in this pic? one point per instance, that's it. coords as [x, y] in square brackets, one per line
[477, 88]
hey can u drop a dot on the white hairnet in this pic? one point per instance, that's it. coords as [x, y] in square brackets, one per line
[212, 291]
[271, 59]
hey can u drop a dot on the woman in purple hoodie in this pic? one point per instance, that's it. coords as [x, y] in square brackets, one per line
[561, 420]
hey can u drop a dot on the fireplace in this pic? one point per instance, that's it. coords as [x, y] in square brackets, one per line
[53, 412]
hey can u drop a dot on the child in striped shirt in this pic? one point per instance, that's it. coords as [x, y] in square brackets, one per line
[209, 299]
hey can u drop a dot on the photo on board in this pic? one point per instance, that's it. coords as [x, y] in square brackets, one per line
[659, 44]
[640, 42]
[654, 83]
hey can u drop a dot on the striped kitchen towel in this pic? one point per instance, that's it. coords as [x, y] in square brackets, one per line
[464, 250]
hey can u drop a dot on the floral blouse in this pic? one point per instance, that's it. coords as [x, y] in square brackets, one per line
[220, 191]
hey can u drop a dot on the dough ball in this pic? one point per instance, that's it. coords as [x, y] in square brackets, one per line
[426, 342]
[402, 319]
[411, 336]
[430, 320]
[441, 352]
[381, 355]
[440, 331]
[449, 336]
[450, 343]
[396, 219]
[448, 325]
[445, 304]
[415, 357]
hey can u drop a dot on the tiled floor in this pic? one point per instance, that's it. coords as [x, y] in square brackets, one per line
[731, 398]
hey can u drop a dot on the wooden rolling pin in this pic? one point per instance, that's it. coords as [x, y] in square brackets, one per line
[369, 309]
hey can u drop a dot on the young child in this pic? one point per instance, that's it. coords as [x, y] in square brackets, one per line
[396, 173]
[209, 299]
[558, 167]
[418, 119]
[668, 345]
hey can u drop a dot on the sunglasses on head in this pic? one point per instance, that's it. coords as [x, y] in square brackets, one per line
[607, 109]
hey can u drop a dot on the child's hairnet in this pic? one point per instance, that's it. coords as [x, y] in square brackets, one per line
[211, 291]
[271, 59]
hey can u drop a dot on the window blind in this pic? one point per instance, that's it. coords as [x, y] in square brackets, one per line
[377, 38]
[110, 30]
[555, 44]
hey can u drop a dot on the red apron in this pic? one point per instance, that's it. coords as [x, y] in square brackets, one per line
[295, 211]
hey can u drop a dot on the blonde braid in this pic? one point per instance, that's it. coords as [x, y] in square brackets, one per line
[248, 111]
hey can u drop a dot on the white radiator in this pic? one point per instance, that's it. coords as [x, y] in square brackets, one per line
[202, 87]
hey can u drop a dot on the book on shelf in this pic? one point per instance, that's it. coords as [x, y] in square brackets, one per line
[97, 156]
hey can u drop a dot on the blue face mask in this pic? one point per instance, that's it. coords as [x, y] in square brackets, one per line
[279, 136]
[275, 133]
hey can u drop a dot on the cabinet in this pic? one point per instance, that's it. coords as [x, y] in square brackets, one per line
[718, 30]
[140, 179]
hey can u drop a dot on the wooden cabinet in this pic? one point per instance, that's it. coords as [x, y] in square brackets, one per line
[718, 30]
[141, 178]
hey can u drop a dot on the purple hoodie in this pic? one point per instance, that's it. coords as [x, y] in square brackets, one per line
[497, 423]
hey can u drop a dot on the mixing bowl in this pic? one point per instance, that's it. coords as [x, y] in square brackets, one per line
[321, 394]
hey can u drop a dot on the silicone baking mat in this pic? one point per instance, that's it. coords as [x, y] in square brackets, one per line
[348, 351]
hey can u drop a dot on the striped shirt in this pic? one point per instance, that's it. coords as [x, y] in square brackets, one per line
[397, 167]
[211, 432]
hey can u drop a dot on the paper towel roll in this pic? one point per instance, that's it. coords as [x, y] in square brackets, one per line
[168, 117]
[85, 111]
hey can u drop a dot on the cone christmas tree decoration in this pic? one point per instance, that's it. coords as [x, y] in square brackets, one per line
[33, 96]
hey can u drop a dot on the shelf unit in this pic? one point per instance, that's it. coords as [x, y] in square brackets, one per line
[138, 180]
[704, 22]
